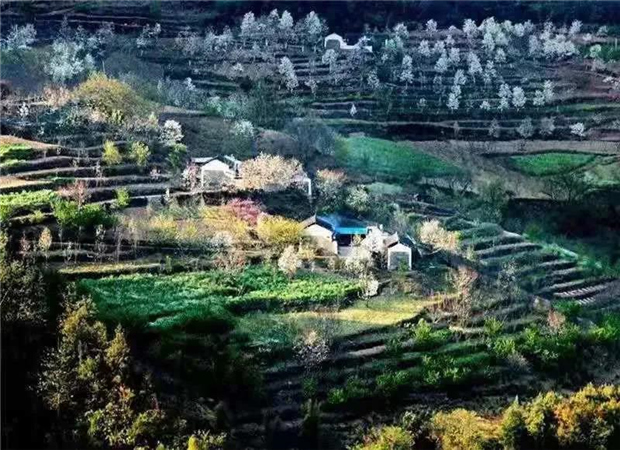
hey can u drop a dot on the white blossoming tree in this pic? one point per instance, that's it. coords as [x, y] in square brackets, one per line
[518, 97]
[68, 60]
[19, 38]
[431, 27]
[406, 73]
[578, 129]
[525, 128]
[289, 261]
[287, 70]
[171, 132]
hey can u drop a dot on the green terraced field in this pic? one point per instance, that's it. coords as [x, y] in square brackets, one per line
[206, 300]
[547, 164]
[390, 160]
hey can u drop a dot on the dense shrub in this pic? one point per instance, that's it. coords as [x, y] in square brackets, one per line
[122, 197]
[441, 370]
[88, 382]
[226, 220]
[70, 215]
[278, 232]
[391, 383]
[177, 156]
[109, 96]
[140, 153]
[330, 187]
[463, 430]
[427, 338]
[353, 390]
[25, 200]
[588, 419]
[312, 136]
[23, 289]
[111, 156]
[513, 429]
[387, 438]
[547, 348]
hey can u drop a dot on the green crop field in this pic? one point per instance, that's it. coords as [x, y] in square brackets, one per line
[11, 203]
[10, 152]
[202, 299]
[390, 160]
[546, 164]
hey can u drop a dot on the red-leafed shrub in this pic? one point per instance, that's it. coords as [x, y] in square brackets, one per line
[246, 210]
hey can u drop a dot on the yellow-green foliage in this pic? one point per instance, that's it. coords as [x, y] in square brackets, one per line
[463, 430]
[219, 219]
[512, 428]
[111, 97]
[539, 415]
[25, 201]
[387, 438]
[140, 153]
[588, 420]
[278, 232]
[111, 156]
[206, 441]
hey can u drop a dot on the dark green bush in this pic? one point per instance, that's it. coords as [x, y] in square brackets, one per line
[353, 390]
[425, 337]
[69, 215]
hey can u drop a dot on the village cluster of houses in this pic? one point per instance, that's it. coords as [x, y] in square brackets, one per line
[334, 233]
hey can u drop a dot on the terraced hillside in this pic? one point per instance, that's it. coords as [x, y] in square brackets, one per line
[372, 375]
[57, 167]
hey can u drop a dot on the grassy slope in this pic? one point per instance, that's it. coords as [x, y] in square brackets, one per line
[390, 160]
[553, 163]
[360, 316]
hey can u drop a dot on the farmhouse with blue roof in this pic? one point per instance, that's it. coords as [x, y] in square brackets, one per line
[335, 233]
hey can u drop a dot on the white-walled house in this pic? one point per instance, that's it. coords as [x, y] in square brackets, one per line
[336, 42]
[217, 171]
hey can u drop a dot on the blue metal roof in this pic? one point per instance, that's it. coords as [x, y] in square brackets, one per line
[340, 224]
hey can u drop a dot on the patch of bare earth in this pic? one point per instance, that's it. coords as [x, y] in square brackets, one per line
[14, 140]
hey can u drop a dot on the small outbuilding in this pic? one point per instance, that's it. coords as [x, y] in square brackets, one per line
[336, 42]
[400, 252]
[217, 171]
